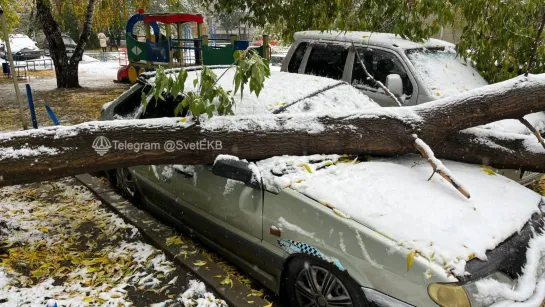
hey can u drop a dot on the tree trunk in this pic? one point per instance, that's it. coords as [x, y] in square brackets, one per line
[40, 154]
[66, 70]
[57, 49]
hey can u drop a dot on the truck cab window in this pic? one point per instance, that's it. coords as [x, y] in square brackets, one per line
[327, 60]
[379, 64]
[297, 57]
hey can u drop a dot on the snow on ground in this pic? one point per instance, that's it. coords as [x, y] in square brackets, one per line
[57, 242]
[394, 197]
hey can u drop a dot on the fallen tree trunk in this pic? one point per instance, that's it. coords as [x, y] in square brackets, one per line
[54, 152]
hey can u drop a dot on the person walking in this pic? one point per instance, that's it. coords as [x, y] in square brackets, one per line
[103, 41]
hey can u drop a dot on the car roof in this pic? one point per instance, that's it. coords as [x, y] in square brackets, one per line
[387, 40]
[310, 94]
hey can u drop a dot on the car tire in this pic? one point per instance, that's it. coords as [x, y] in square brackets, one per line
[125, 183]
[313, 282]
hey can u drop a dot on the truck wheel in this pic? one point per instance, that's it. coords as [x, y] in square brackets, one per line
[314, 282]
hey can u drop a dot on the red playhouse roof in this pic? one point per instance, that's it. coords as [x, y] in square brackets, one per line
[173, 18]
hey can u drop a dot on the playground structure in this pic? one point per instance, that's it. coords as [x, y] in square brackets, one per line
[146, 53]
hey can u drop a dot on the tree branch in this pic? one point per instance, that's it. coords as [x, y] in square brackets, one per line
[85, 33]
[384, 88]
[53, 152]
[534, 130]
[438, 166]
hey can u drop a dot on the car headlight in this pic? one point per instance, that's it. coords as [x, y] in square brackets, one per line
[456, 295]
[448, 295]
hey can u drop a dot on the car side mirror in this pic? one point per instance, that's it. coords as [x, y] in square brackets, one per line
[235, 170]
[394, 84]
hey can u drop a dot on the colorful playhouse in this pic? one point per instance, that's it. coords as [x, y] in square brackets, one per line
[163, 48]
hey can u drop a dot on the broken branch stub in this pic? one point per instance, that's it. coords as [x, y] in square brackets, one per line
[438, 166]
[533, 130]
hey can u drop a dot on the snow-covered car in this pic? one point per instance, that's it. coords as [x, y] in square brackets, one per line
[414, 72]
[22, 48]
[335, 230]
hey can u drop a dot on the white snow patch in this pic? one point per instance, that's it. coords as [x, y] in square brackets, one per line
[197, 296]
[230, 186]
[528, 284]
[292, 227]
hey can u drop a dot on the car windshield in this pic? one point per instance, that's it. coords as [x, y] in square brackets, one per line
[442, 72]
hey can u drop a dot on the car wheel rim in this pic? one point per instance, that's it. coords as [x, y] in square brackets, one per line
[125, 181]
[316, 286]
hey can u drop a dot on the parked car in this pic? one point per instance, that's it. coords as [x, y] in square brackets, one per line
[325, 230]
[22, 48]
[414, 72]
[69, 43]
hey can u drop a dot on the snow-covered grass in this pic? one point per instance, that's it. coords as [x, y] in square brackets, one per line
[59, 243]
[394, 197]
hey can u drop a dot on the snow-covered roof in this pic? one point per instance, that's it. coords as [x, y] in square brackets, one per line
[387, 40]
[20, 41]
[394, 197]
[282, 89]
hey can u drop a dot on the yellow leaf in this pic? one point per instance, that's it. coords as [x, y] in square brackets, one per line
[410, 259]
[44, 229]
[255, 292]
[88, 299]
[183, 120]
[174, 240]
[268, 305]
[471, 256]
[199, 263]
[227, 281]
[488, 170]
[218, 276]
[250, 302]
[307, 167]
[341, 214]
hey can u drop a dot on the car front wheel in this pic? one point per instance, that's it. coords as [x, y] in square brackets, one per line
[313, 282]
[124, 181]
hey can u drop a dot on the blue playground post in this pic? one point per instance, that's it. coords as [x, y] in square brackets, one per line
[52, 115]
[31, 106]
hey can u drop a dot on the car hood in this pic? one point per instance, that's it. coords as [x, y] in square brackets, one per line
[395, 198]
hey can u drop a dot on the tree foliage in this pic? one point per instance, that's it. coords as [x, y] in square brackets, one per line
[12, 9]
[497, 34]
[207, 96]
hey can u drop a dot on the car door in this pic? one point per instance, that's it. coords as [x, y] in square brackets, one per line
[232, 209]
[223, 210]
[380, 63]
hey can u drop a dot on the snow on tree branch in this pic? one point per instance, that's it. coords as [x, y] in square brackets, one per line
[438, 166]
